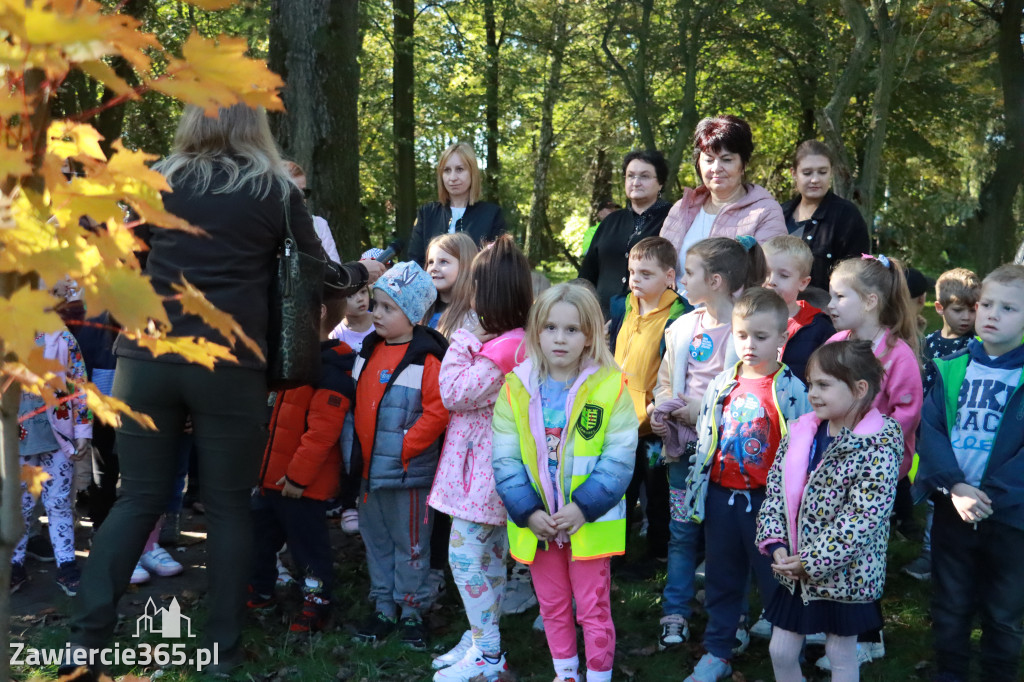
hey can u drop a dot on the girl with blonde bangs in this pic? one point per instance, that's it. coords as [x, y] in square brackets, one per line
[449, 264]
[591, 325]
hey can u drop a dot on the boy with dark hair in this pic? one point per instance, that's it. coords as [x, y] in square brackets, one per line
[399, 421]
[789, 272]
[299, 474]
[971, 466]
[637, 338]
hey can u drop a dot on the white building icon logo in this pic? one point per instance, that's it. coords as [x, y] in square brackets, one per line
[166, 622]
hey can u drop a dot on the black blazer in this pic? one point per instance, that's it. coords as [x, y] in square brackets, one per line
[836, 231]
[483, 221]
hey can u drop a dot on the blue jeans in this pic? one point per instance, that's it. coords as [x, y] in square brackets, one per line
[685, 552]
[976, 569]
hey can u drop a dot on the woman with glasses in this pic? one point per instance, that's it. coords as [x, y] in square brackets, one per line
[458, 207]
[725, 205]
[606, 263]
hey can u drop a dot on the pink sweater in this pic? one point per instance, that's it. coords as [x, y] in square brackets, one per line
[471, 378]
[756, 214]
[902, 394]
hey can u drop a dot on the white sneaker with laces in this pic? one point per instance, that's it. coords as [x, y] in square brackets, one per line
[865, 654]
[140, 575]
[762, 629]
[472, 666]
[158, 561]
[519, 596]
[674, 630]
[456, 653]
[710, 668]
[742, 641]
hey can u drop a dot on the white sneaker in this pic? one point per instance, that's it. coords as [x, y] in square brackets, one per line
[742, 641]
[710, 669]
[140, 575]
[864, 650]
[674, 630]
[456, 653]
[817, 639]
[762, 629]
[538, 623]
[472, 666]
[158, 561]
[519, 596]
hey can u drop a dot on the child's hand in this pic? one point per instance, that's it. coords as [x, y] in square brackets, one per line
[972, 504]
[789, 566]
[289, 489]
[542, 525]
[569, 518]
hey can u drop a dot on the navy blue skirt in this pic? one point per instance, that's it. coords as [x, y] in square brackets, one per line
[788, 611]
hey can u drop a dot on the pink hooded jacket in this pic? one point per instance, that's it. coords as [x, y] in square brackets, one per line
[756, 214]
[471, 378]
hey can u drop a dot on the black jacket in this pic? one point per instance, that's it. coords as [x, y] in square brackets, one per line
[483, 221]
[232, 262]
[836, 231]
[606, 263]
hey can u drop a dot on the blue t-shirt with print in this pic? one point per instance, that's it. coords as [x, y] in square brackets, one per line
[553, 397]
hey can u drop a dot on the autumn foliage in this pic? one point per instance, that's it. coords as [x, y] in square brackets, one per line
[41, 240]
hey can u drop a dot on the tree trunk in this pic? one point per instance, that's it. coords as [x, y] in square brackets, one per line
[690, 42]
[336, 158]
[492, 179]
[403, 117]
[636, 84]
[601, 182]
[538, 223]
[994, 217]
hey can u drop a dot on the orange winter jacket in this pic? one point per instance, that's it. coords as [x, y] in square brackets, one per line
[305, 428]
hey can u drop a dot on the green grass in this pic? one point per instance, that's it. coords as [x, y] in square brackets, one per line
[274, 655]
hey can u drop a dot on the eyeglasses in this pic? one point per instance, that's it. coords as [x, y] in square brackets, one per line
[643, 177]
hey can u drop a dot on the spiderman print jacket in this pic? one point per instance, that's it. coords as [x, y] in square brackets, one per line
[837, 517]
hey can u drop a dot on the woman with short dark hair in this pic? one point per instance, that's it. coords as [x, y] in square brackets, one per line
[725, 205]
[606, 263]
[830, 225]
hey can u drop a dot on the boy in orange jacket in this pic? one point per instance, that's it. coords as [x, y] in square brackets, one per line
[300, 473]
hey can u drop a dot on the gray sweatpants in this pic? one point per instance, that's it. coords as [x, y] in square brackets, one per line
[395, 525]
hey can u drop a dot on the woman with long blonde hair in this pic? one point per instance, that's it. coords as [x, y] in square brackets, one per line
[458, 207]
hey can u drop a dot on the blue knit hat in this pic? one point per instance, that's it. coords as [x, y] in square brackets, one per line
[411, 288]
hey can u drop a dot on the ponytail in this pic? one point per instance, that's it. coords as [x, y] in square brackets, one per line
[885, 278]
[740, 262]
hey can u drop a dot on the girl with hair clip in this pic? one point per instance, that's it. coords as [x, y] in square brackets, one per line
[698, 346]
[472, 374]
[870, 302]
[825, 518]
[449, 259]
[565, 437]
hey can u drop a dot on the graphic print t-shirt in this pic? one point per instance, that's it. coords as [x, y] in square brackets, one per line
[936, 346]
[979, 410]
[707, 357]
[553, 396]
[748, 436]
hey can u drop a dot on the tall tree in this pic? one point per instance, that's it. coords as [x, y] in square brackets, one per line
[492, 93]
[404, 116]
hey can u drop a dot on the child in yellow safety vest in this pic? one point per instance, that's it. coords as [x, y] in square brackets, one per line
[565, 434]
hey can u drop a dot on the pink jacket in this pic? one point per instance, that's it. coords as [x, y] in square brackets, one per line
[902, 394]
[471, 378]
[756, 214]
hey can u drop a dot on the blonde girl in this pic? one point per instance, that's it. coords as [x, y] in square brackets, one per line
[472, 374]
[565, 437]
[825, 518]
[449, 259]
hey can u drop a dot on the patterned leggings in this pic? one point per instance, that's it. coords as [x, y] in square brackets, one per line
[57, 501]
[476, 553]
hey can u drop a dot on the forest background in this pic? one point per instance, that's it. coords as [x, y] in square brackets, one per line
[922, 102]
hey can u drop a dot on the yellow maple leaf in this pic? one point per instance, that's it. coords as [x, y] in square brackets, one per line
[108, 409]
[34, 477]
[193, 349]
[13, 162]
[101, 71]
[26, 312]
[126, 294]
[70, 139]
[193, 301]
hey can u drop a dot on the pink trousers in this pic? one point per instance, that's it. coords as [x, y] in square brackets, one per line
[557, 579]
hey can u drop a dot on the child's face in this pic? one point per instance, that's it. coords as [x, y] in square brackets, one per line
[830, 398]
[784, 276]
[443, 269]
[1000, 322]
[648, 279]
[388, 319]
[847, 308]
[957, 317]
[358, 303]
[562, 341]
[758, 339]
[697, 289]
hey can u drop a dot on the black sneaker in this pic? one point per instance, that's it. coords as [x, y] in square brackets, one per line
[39, 548]
[19, 576]
[414, 633]
[69, 577]
[375, 628]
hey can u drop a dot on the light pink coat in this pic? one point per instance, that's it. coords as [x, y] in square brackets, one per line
[756, 214]
[471, 378]
[902, 393]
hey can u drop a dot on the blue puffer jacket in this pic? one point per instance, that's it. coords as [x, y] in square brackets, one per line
[399, 409]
